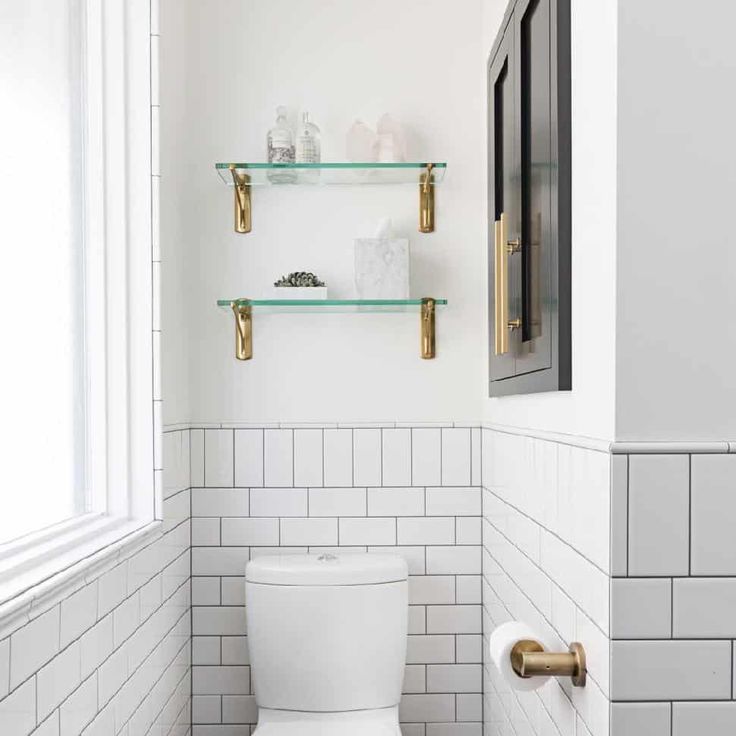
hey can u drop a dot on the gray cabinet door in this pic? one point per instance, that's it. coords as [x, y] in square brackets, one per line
[536, 355]
[504, 194]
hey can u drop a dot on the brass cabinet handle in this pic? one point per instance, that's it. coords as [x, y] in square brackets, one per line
[503, 248]
[500, 286]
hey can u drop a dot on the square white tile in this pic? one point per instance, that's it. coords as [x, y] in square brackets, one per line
[641, 608]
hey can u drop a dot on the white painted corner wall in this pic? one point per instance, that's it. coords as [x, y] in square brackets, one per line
[589, 409]
[676, 347]
[652, 245]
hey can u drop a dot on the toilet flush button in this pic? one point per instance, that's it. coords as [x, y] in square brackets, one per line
[327, 557]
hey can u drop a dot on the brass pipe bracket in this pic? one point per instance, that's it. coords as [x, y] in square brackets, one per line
[426, 201]
[243, 329]
[243, 212]
[427, 316]
[529, 659]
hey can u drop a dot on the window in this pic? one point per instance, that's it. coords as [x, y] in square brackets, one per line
[75, 280]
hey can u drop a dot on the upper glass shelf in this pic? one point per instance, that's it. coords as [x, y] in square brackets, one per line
[332, 173]
[308, 305]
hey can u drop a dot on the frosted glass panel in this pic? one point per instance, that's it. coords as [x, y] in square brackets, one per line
[42, 377]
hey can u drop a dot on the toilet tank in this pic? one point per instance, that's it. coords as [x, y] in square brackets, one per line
[327, 633]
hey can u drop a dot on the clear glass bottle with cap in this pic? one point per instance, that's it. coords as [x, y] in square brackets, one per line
[308, 142]
[308, 147]
[281, 149]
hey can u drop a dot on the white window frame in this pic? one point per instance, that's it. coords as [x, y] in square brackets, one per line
[124, 501]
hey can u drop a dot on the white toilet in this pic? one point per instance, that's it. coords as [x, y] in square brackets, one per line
[327, 642]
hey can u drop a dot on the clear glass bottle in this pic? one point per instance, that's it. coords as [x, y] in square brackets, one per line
[307, 142]
[281, 148]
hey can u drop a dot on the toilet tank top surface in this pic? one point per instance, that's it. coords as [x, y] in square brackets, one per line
[327, 569]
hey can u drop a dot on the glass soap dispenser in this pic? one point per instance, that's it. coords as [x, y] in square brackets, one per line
[307, 142]
[281, 147]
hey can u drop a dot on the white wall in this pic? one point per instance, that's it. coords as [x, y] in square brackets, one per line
[237, 61]
[676, 348]
[588, 409]
[175, 199]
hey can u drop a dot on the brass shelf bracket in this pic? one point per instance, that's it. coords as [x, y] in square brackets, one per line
[427, 316]
[243, 330]
[529, 659]
[243, 212]
[426, 201]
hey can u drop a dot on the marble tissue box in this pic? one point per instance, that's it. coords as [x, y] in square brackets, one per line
[382, 268]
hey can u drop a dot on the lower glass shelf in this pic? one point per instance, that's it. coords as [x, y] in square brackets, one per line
[331, 305]
[243, 310]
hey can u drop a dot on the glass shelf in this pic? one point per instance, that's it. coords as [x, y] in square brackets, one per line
[243, 312]
[331, 305]
[262, 174]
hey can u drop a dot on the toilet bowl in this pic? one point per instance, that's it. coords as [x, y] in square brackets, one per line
[327, 643]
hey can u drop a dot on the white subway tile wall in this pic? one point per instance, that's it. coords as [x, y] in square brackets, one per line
[631, 554]
[673, 595]
[114, 655]
[405, 490]
[546, 537]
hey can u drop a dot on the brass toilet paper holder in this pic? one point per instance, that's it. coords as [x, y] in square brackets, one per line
[529, 659]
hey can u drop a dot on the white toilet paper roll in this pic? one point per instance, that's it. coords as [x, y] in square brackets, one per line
[502, 642]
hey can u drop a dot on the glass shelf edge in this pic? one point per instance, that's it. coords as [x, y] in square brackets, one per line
[331, 173]
[334, 165]
[227, 303]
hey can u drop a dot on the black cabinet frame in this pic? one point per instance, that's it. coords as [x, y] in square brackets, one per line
[540, 355]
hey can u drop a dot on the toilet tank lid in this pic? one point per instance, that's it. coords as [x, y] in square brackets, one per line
[327, 569]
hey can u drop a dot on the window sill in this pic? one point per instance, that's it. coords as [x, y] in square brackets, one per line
[36, 588]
